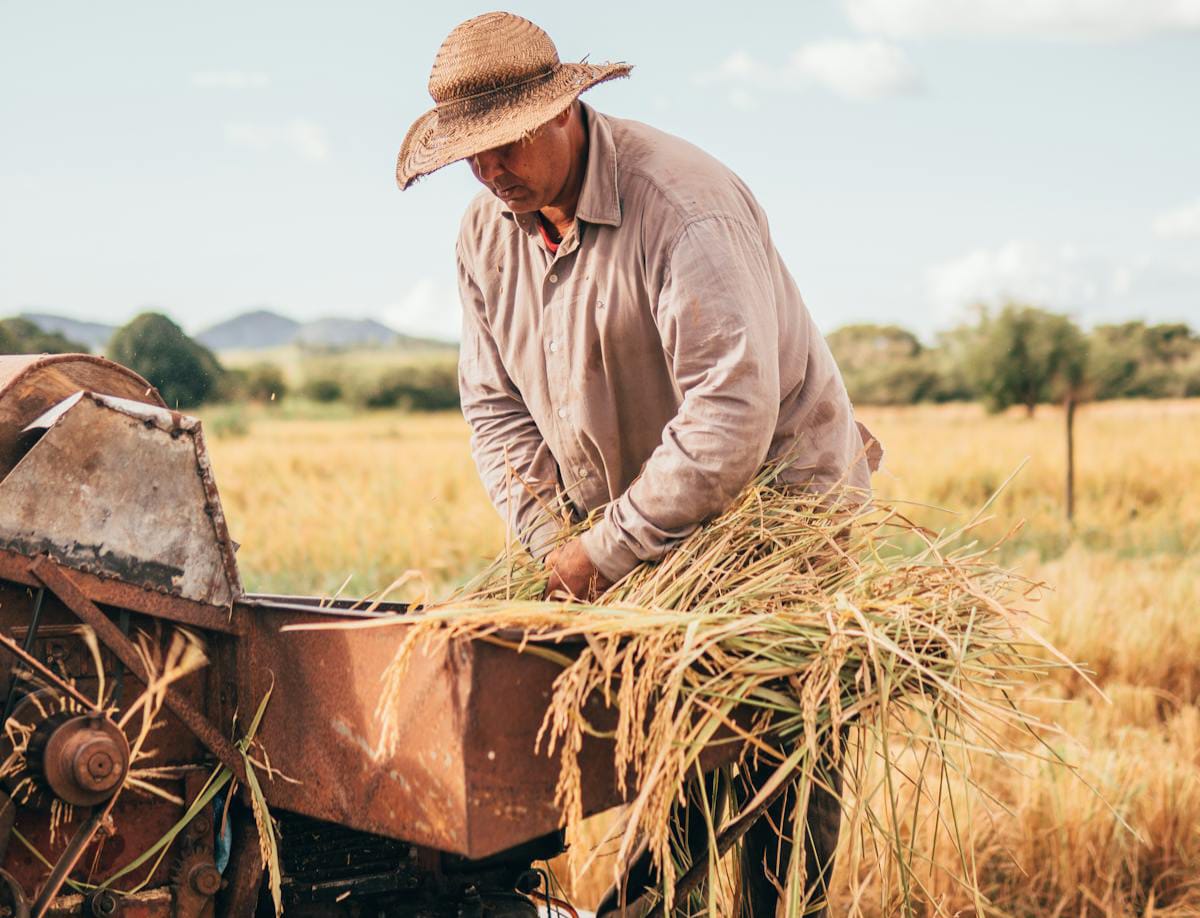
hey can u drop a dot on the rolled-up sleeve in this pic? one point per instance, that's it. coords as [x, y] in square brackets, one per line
[717, 317]
[514, 462]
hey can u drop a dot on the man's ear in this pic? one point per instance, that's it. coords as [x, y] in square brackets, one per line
[563, 117]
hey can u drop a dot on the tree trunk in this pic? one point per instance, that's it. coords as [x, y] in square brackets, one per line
[1070, 412]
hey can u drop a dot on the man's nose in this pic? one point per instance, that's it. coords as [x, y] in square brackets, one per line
[487, 165]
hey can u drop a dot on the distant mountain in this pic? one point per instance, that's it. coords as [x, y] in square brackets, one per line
[257, 330]
[345, 333]
[263, 329]
[94, 334]
[250, 331]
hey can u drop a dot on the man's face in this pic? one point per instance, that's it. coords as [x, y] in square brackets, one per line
[528, 174]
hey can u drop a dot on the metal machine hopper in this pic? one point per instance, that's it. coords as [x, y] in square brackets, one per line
[110, 519]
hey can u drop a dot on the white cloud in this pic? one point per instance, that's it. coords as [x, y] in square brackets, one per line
[304, 138]
[1063, 278]
[858, 69]
[229, 79]
[429, 309]
[1180, 223]
[1057, 278]
[1075, 19]
[741, 67]
[743, 99]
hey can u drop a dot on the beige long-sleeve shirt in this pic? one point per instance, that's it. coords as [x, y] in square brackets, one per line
[653, 364]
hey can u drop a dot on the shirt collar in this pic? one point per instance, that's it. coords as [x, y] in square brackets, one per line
[599, 201]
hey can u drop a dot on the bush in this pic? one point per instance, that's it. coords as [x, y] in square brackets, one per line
[323, 389]
[185, 372]
[260, 382]
[420, 387]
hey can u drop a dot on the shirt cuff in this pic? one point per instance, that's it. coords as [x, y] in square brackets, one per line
[604, 548]
[543, 538]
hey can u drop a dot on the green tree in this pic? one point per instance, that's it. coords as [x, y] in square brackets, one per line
[950, 362]
[185, 372]
[21, 336]
[1024, 356]
[1136, 360]
[883, 364]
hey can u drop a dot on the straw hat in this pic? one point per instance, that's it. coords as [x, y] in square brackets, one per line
[496, 78]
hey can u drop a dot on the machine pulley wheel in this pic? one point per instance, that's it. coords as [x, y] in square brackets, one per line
[85, 759]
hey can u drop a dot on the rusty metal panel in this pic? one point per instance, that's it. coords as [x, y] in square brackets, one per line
[122, 489]
[106, 591]
[320, 730]
[465, 776]
[31, 384]
[137, 822]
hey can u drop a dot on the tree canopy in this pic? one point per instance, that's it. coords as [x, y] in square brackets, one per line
[884, 364]
[21, 336]
[1023, 356]
[185, 372]
[1018, 355]
[1134, 359]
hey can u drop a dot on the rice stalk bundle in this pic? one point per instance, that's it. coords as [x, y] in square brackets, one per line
[803, 630]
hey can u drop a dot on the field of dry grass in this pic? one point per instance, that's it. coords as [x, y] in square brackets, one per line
[314, 500]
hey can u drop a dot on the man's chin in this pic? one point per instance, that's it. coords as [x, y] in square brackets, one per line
[522, 207]
[522, 204]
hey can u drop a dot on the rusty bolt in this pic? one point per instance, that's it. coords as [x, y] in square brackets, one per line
[205, 879]
[97, 764]
[105, 904]
[527, 882]
[197, 828]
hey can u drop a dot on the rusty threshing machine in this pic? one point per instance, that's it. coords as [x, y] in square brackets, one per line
[112, 541]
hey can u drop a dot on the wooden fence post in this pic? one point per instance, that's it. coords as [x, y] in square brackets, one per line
[1070, 406]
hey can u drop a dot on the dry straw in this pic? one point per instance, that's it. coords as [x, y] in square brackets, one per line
[790, 624]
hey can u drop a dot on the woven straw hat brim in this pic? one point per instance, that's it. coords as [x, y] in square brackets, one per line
[496, 119]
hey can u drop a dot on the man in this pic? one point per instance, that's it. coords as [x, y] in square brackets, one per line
[631, 337]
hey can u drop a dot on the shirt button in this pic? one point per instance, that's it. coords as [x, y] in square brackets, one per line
[554, 278]
[583, 473]
[553, 346]
[562, 412]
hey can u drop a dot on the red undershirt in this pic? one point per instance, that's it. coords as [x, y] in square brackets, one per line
[550, 243]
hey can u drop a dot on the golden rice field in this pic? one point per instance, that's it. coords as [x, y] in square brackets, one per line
[316, 500]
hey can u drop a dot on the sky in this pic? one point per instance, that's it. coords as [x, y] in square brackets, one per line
[915, 157]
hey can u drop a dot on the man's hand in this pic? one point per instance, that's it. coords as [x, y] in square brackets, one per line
[572, 574]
